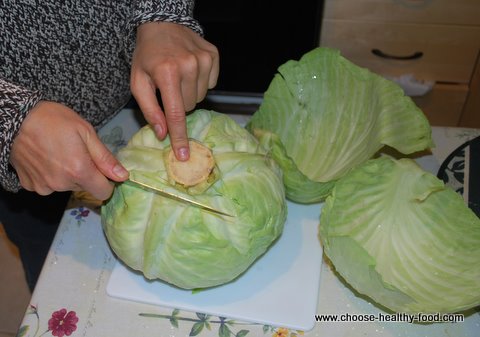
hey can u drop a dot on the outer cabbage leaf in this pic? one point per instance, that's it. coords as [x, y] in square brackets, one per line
[328, 116]
[400, 236]
[184, 245]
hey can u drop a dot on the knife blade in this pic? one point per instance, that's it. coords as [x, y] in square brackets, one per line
[177, 197]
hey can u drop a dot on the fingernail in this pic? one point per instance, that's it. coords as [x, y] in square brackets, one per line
[158, 130]
[182, 153]
[120, 172]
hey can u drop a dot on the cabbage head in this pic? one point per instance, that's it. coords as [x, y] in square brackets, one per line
[321, 116]
[398, 235]
[185, 245]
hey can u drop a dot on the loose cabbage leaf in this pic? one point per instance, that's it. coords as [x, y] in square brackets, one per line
[327, 116]
[184, 245]
[400, 236]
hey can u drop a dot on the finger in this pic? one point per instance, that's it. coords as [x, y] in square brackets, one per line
[205, 69]
[144, 92]
[176, 121]
[174, 106]
[38, 186]
[178, 78]
[215, 68]
[32, 180]
[93, 181]
[190, 87]
[105, 161]
[42, 190]
[104, 165]
[25, 181]
[97, 185]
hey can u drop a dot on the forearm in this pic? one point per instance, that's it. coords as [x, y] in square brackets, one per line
[15, 103]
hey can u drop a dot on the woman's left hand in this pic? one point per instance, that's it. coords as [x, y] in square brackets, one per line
[182, 66]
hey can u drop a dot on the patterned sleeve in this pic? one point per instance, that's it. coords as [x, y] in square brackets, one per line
[15, 103]
[176, 11]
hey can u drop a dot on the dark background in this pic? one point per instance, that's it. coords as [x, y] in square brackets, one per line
[254, 37]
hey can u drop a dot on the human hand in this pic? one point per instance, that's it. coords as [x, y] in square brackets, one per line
[183, 66]
[57, 150]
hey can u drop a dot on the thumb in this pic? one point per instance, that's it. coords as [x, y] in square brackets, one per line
[105, 161]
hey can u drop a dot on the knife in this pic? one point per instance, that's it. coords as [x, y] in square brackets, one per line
[177, 197]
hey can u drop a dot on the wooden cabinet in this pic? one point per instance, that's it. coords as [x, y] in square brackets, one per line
[434, 40]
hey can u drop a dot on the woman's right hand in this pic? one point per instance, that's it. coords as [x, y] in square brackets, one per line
[56, 150]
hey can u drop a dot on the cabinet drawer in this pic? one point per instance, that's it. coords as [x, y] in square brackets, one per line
[461, 12]
[443, 105]
[448, 52]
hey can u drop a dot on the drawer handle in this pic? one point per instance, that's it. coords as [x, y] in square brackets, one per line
[414, 56]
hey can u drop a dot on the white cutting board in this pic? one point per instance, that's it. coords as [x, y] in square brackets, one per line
[280, 289]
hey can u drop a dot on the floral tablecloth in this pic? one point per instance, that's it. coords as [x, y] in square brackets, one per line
[70, 297]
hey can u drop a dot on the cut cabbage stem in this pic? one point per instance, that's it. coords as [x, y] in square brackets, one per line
[196, 169]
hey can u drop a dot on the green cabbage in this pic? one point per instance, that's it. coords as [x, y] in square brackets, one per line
[400, 236]
[323, 115]
[184, 245]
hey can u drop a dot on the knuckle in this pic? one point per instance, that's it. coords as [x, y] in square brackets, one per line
[75, 171]
[206, 57]
[191, 61]
[167, 66]
[176, 116]
[182, 64]
[85, 128]
[213, 50]
[25, 183]
[134, 85]
[41, 187]
[137, 83]
[43, 190]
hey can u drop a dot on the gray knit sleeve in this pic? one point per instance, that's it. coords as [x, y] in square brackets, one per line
[15, 103]
[176, 11]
